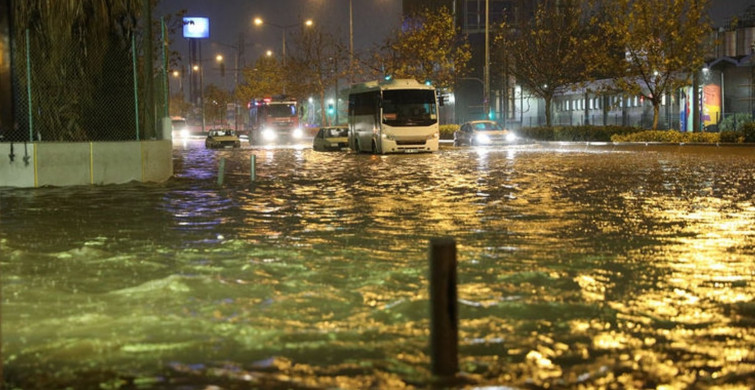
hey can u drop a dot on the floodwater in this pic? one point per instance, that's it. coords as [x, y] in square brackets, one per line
[578, 267]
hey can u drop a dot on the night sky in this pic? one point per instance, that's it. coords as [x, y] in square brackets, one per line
[373, 21]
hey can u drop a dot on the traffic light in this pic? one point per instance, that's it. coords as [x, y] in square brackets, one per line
[331, 110]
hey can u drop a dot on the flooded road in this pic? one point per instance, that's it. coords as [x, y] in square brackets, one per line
[578, 267]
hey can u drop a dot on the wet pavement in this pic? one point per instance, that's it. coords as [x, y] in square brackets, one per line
[579, 266]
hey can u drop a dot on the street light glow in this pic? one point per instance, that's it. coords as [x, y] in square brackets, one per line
[219, 58]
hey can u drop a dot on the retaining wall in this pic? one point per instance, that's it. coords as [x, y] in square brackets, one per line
[77, 163]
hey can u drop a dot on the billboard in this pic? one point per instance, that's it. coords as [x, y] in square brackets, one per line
[196, 27]
[711, 104]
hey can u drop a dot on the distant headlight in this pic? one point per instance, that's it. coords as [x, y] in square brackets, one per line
[297, 133]
[482, 138]
[269, 135]
[510, 137]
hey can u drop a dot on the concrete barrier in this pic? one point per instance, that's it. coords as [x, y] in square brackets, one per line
[79, 163]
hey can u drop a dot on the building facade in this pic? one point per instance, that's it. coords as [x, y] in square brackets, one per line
[726, 84]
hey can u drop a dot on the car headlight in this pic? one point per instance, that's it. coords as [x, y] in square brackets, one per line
[482, 138]
[184, 133]
[511, 137]
[297, 133]
[389, 136]
[269, 135]
[434, 135]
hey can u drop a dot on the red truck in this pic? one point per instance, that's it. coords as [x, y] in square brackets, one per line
[274, 121]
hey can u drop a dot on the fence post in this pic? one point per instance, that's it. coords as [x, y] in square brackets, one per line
[136, 86]
[28, 89]
[443, 307]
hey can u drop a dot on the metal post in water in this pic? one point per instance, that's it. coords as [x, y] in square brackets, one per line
[253, 169]
[221, 171]
[443, 308]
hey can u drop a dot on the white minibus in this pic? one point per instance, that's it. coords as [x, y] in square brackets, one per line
[393, 116]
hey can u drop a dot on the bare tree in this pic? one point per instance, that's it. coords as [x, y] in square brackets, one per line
[215, 103]
[551, 51]
[264, 78]
[314, 67]
[664, 42]
[429, 47]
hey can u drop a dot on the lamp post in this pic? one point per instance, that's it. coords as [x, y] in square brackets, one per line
[486, 71]
[178, 75]
[200, 69]
[284, 29]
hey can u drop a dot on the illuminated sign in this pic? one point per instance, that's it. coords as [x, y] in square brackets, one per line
[195, 27]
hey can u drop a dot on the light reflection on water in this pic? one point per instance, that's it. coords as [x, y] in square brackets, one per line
[593, 267]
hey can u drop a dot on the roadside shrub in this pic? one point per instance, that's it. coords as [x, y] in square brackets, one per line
[671, 136]
[732, 137]
[748, 131]
[574, 133]
[590, 133]
[447, 131]
[734, 122]
[634, 134]
[538, 133]
[710, 138]
[668, 136]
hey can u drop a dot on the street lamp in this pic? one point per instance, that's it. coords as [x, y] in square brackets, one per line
[308, 23]
[178, 76]
[200, 69]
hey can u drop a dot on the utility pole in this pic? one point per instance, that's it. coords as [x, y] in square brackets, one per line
[351, 43]
[486, 76]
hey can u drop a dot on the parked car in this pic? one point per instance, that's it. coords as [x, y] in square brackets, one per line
[224, 138]
[331, 138]
[482, 132]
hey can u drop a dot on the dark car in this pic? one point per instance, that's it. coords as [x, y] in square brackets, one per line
[331, 138]
[224, 138]
[482, 132]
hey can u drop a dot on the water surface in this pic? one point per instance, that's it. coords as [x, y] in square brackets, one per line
[578, 266]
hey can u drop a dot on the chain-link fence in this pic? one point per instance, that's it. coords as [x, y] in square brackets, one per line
[78, 92]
